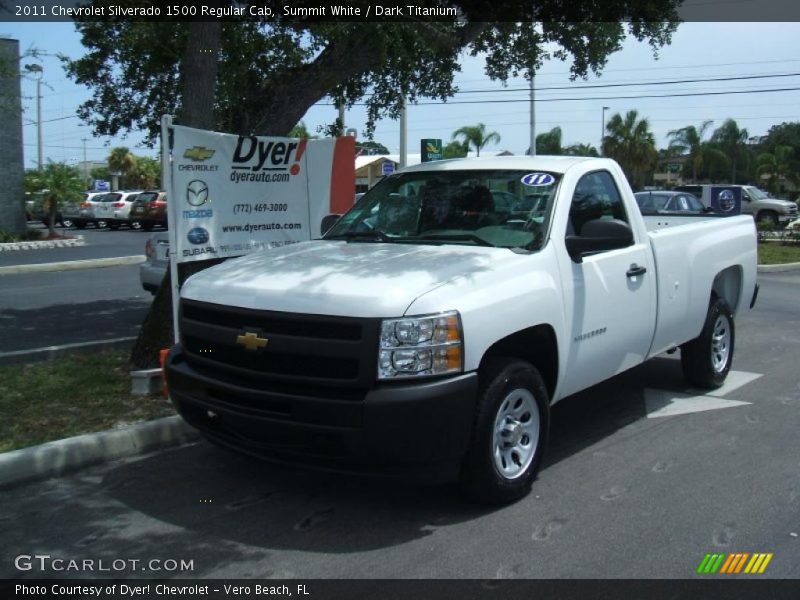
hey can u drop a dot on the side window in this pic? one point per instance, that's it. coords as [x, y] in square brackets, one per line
[596, 197]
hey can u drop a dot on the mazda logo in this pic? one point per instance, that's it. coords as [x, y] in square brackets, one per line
[197, 192]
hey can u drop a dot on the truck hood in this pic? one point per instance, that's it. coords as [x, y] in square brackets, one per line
[779, 205]
[340, 278]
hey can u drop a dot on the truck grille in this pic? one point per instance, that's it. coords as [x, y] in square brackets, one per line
[310, 350]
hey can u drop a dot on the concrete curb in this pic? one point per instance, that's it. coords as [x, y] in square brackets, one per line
[67, 243]
[779, 268]
[73, 265]
[52, 352]
[56, 458]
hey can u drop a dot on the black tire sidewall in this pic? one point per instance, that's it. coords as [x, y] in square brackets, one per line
[480, 475]
[698, 365]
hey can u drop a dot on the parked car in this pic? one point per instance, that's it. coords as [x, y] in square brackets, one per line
[152, 271]
[84, 213]
[755, 202]
[434, 340]
[117, 212]
[149, 209]
[666, 202]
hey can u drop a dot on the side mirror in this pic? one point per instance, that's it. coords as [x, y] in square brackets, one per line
[598, 235]
[328, 221]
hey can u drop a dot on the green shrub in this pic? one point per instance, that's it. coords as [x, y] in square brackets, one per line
[29, 235]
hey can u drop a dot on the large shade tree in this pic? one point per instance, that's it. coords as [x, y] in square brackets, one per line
[262, 77]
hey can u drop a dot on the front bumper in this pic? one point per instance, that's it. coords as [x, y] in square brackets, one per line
[418, 431]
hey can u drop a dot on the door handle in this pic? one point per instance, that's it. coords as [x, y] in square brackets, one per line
[636, 270]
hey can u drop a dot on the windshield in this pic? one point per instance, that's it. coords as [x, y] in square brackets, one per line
[500, 208]
[756, 194]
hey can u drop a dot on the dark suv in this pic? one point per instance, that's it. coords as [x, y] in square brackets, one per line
[150, 209]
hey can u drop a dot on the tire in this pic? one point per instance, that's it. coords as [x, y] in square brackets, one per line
[67, 223]
[513, 408]
[136, 225]
[706, 360]
[768, 215]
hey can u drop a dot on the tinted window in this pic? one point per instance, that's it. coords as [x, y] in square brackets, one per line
[596, 197]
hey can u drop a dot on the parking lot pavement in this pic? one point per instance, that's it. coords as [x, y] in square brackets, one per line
[48, 309]
[624, 492]
[100, 243]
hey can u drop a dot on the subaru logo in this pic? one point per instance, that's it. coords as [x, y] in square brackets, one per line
[726, 201]
[197, 192]
[197, 236]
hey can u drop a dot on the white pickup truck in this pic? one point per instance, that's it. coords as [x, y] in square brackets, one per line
[434, 325]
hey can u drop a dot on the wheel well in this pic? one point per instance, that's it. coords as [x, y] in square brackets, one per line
[536, 345]
[728, 285]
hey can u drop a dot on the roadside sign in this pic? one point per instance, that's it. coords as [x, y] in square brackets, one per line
[387, 167]
[431, 149]
[101, 185]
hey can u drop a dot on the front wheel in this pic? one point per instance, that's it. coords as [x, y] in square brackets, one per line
[769, 216]
[509, 434]
[706, 360]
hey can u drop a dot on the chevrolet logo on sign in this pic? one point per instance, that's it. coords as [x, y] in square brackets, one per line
[199, 153]
[251, 341]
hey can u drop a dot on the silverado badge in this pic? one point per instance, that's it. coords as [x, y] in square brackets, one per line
[251, 341]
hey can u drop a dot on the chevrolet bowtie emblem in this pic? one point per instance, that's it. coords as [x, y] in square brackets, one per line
[251, 341]
[198, 153]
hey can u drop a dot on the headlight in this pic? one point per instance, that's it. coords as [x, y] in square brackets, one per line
[418, 346]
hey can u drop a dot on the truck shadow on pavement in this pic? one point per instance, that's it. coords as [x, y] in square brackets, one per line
[221, 495]
[71, 323]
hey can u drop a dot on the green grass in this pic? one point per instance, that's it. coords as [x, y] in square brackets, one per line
[69, 396]
[773, 253]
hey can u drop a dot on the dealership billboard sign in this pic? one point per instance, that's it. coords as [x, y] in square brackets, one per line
[234, 194]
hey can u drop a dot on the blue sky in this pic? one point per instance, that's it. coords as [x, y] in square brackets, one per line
[699, 51]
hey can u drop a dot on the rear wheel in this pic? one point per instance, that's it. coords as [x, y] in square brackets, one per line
[67, 222]
[706, 360]
[770, 216]
[136, 225]
[509, 434]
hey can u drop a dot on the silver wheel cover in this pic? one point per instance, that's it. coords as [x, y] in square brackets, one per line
[516, 433]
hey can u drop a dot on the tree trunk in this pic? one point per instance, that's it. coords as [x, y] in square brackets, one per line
[199, 76]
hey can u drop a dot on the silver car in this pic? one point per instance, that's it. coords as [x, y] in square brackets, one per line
[152, 271]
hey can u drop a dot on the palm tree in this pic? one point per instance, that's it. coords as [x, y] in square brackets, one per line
[59, 182]
[731, 140]
[121, 161]
[477, 136]
[549, 142]
[777, 164]
[631, 143]
[689, 140]
[581, 150]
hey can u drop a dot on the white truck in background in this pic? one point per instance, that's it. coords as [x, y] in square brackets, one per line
[434, 325]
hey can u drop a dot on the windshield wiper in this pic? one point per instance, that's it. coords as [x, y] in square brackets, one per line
[352, 235]
[455, 237]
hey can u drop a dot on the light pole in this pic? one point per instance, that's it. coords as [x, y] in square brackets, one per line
[602, 128]
[34, 68]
